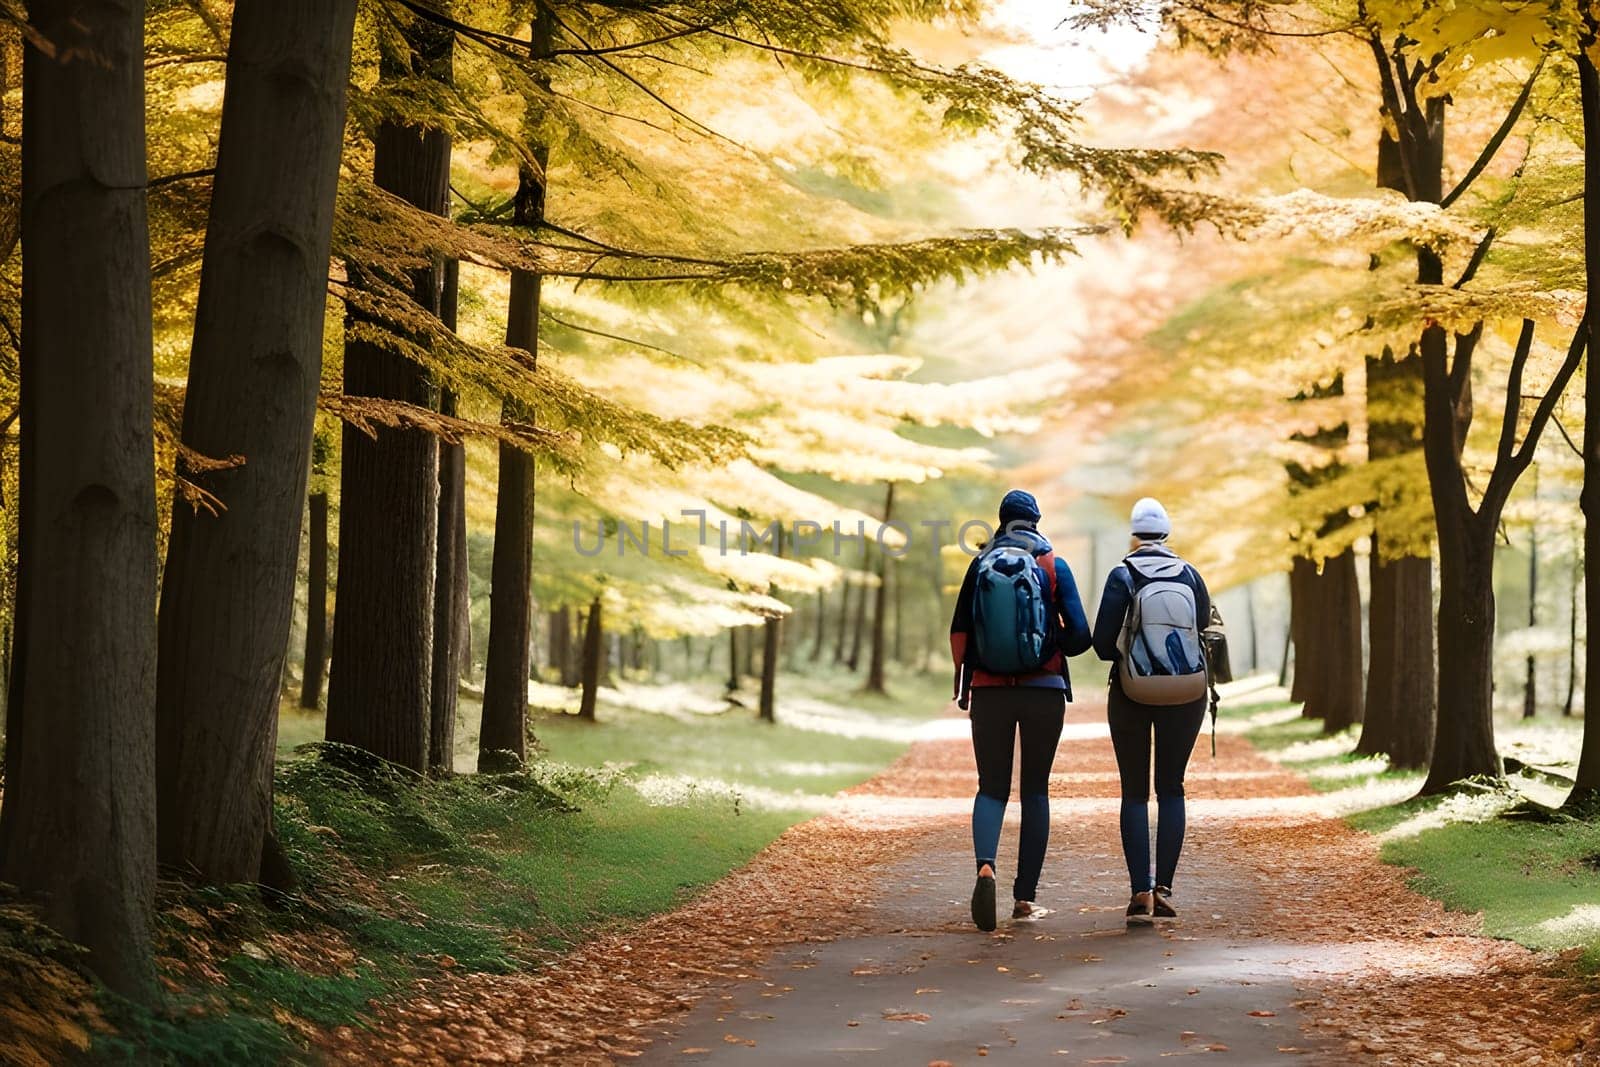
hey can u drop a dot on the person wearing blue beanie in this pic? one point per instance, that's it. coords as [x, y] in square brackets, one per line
[1011, 673]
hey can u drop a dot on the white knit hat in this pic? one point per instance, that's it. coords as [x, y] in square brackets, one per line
[1150, 522]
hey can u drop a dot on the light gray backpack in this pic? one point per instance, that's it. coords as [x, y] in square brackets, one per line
[1161, 659]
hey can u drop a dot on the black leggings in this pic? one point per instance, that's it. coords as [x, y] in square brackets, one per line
[999, 713]
[1174, 730]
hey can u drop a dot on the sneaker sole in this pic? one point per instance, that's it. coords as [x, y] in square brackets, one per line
[983, 905]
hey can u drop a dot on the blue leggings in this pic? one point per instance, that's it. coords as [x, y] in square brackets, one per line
[998, 713]
[1174, 729]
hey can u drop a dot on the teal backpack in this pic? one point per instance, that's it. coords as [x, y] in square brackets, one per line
[1013, 607]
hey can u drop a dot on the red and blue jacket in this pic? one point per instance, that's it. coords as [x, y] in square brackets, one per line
[1072, 627]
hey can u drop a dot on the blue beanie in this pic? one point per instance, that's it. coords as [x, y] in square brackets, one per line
[1019, 505]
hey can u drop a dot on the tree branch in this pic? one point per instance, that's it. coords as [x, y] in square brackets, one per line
[1506, 472]
[173, 179]
[1396, 109]
[1493, 146]
[1461, 368]
[1506, 449]
[1478, 254]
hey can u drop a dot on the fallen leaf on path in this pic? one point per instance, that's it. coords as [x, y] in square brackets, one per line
[907, 1016]
[734, 1040]
[928, 989]
[1216, 1047]
[694, 1051]
[1263, 1014]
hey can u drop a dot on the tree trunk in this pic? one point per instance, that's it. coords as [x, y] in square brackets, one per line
[1334, 633]
[227, 593]
[450, 570]
[316, 657]
[773, 640]
[769, 669]
[1400, 682]
[560, 637]
[1530, 685]
[875, 678]
[379, 691]
[842, 635]
[1464, 739]
[1413, 697]
[593, 651]
[1463, 744]
[1572, 635]
[78, 826]
[1302, 590]
[858, 630]
[1586, 792]
[733, 658]
[822, 623]
[899, 653]
[1378, 727]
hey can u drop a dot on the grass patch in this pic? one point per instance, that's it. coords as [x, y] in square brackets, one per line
[1537, 883]
[403, 877]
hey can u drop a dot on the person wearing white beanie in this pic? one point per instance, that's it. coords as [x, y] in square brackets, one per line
[1138, 729]
[1149, 521]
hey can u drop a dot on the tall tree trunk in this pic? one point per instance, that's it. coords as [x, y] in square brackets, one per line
[822, 624]
[1530, 684]
[316, 657]
[78, 826]
[858, 629]
[1302, 612]
[769, 669]
[1464, 738]
[875, 678]
[380, 688]
[560, 637]
[733, 658]
[1411, 726]
[1301, 572]
[1335, 634]
[227, 592]
[1400, 681]
[842, 635]
[507, 666]
[450, 569]
[1586, 793]
[899, 653]
[1572, 634]
[1250, 625]
[593, 652]
[1381, 625]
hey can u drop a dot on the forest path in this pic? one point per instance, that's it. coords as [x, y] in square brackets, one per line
[848, 940]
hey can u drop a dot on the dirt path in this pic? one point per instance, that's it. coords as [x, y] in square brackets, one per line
[846, 940]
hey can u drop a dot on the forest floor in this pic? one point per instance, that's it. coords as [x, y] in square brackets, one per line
[848, 939]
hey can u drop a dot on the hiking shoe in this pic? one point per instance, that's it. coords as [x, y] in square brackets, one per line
[983, 903]
[1024, 909]
[1139, 909]
[1162, 903]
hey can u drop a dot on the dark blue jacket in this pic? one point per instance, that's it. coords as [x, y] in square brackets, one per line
[1073, 633]
[1117, 596]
